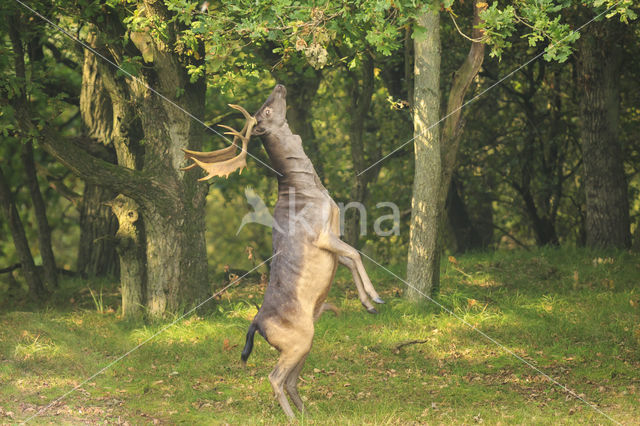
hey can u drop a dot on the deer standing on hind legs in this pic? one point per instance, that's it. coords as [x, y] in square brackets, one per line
[306, 244]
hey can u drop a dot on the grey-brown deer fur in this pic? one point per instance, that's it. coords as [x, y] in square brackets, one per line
[306, 245]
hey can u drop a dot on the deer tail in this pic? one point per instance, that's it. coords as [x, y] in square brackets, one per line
[248, 346]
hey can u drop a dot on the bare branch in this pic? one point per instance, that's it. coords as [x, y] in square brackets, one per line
[399, 346]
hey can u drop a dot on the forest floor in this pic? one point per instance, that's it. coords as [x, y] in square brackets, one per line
[573, 314]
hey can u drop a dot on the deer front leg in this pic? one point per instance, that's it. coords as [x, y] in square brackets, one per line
[362, 295]
[332, 243]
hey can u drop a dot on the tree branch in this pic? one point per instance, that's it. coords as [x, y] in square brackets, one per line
[399, 346]
[11, 268]
[507, 234]
[132, 183]
[451, 129]
[55, 182]
[58, 56]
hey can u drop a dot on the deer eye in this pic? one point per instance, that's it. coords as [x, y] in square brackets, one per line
[267, 111]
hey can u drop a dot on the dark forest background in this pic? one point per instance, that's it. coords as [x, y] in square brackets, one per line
[89, 158]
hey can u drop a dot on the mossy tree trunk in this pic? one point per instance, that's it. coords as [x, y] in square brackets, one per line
[148, 133]
[130, 236]
[605, 186]
[97, 255]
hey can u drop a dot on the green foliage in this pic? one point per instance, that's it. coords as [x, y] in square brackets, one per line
[546, 22]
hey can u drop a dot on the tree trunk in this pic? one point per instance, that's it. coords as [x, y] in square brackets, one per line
[466, 233]
[107, 111]
[97, 255]
[175, 245]
[361, 93]
[605, 186]
[435, 151]
[423, 266]
[36, 288]
[130, 236]
[162, 251]
[543, 226]
[148, 133]
[44, 231]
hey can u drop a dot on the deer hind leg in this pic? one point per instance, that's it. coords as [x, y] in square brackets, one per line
[332, 243]
[291, 384]
[362, 295]
[288, 368]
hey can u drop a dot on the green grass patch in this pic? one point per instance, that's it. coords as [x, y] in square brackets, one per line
[572, 313]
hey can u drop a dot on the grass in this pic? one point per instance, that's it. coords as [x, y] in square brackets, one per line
[572, 313]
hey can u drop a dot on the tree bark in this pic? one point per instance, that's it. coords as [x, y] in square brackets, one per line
[452, 126]
[175, 246]
[435, 153]
[423, 269]
[97, 255]
[361, 93]
[130, 248]
[44, 231]
[605, 186]
[36, 288]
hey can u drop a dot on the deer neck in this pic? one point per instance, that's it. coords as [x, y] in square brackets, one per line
[289, 159]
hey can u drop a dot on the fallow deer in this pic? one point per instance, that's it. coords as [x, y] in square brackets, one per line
[306, 243]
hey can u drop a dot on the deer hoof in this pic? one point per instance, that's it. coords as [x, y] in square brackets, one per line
[372, 311]
[378, 300]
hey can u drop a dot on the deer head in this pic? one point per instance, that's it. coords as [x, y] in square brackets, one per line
[273, 113]
[222, 161]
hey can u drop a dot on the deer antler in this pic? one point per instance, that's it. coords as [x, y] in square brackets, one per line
[222, 161]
